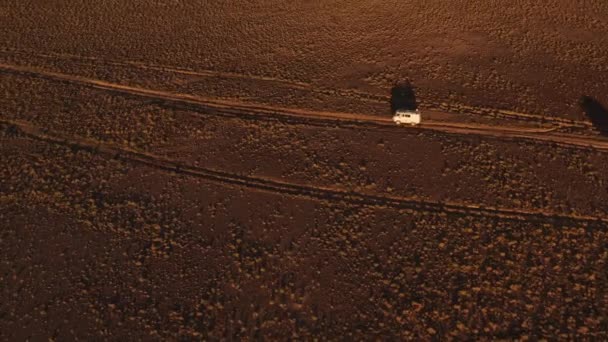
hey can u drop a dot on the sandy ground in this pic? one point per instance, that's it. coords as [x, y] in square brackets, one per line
[228, 171]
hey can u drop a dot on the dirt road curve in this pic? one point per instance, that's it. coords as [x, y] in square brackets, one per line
[313, 117]
[278, 186]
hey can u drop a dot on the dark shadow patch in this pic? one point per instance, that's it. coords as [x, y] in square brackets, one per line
[403, 96]
[597, 113]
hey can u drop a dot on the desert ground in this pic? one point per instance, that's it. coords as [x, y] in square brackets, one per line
[230, 170]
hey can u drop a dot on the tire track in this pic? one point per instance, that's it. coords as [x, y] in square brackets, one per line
[206, 73]
[164, 68]
[292, 189]
[350, 93]
[313, 118]
[508, 114]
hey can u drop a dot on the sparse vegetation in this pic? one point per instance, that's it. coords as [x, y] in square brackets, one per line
[131, 217]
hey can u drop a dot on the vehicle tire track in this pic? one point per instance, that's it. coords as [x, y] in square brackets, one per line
[313, 118]
[208, 73]
[356, 94]
[164, 68]
[292, 189]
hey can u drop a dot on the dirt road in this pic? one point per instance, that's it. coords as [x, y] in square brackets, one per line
[346, 93]
[278, 186]
[313, 117]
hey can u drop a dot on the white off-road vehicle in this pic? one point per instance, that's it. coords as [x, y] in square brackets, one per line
[407, 117]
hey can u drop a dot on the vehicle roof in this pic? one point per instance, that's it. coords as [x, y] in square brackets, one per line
[406, 111]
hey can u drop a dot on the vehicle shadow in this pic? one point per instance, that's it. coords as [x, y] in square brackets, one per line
[403, 96]
[596, 112]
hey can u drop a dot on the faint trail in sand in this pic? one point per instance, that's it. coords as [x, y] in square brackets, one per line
[499, 113]
[208, 73]
[156, 67]
[316, 118]
[292, 189]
